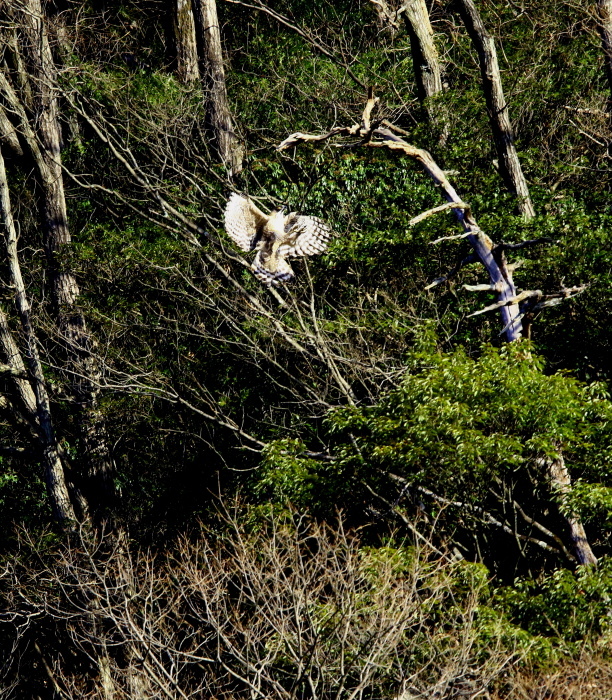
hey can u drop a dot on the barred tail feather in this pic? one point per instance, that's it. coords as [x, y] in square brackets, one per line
[283, 272]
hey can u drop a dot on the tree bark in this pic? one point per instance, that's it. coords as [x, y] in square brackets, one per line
[8, 135]
[54, 469]
[604, 12]
[218, 116]
[509, 164]
[561, 482]
[425, 61]
[424, 54]
[185, 41]
[82, 363]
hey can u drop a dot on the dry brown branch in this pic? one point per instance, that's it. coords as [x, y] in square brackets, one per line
[437, 210]
[523, 296]
[291, 608]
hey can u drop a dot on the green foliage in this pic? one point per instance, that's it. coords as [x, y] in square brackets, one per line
[568, 605]
[457, 440]
[352, 389]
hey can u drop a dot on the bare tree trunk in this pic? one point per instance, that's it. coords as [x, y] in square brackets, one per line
[218, 115]
[509, 164]
[8, 135]
[425, 61]
[82, 363]
[424, 54]
[604, 11]
[14, 360]
[185, 40]
[561, 482]
[54, 470]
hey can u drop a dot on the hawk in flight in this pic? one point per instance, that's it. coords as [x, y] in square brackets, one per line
[276, 237]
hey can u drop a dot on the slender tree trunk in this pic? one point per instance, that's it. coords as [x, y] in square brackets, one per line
[54, 470]
[82, 363]
[425, 60]
[218, 115]
[561, 482]
[185, 41]
[426, 63]
[14, 359]
[604, 11]
[8, 135]
[424, 54]
[509, 164]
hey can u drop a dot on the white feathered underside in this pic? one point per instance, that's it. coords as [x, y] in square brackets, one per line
[276, 237]
[311, 236]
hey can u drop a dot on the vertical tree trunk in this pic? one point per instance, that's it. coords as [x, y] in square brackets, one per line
[604, 11]
[185, 41]
[82, 363]
[561, 482]
[425, 61]
[424, 54]
[218, 115]
[54, 470]
[8, 135]
[509, 164]
[13, 358]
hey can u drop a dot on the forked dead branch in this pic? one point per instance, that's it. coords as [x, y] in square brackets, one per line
[514, 305]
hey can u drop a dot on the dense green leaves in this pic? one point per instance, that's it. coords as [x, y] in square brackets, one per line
[467, 437]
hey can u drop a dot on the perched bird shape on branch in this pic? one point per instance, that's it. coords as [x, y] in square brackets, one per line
[276, 237]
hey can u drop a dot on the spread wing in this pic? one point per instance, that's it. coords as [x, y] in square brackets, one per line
[308, 235]
[243, 221]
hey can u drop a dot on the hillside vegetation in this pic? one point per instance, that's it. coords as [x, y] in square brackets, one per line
[390, 477]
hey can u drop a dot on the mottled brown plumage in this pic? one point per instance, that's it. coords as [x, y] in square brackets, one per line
[275, 236]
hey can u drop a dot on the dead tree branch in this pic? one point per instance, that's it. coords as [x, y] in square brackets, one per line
[380, 137]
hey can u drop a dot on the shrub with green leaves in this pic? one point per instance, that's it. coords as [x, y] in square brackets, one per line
[463, 444]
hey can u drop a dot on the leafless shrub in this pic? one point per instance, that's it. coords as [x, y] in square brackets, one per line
[285, 608]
